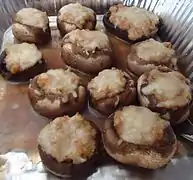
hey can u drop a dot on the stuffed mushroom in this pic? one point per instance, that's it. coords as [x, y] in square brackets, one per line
[111, 89]
[87, 51]
[57, 92]
[147, 55]
[131, 23]
[69, 146]
[166, 92]
[31, 25]
[137, 136]
[21, 62]
[75, 16]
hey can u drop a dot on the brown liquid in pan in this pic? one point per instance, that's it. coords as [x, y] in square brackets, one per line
[19, 124]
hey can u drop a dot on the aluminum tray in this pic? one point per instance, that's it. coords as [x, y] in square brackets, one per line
[20, 125]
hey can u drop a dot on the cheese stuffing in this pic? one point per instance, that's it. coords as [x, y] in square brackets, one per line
[20, 57]
[68, 138]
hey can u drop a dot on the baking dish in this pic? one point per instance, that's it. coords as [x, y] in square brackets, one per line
[19, 121]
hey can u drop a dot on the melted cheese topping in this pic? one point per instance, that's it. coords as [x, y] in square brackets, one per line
[68, 138]
[108, 83]
[139, 22]
[139, 125]
[77, 14]
[88, 40]
[169, 88]
[154, 51]
[32, 17]
[48, 104]
[21, 56]
[59, 81]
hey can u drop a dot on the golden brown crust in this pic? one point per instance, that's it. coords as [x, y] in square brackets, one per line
[150, 54]
[173, 105]
[147, 156]
[108, 104]
[20, 57]
[22, 76]
[52, 105]
[136, 22]
[69, 139]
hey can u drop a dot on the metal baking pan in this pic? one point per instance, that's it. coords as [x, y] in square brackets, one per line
[20, 125]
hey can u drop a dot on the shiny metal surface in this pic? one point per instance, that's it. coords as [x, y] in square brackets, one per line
[177, 16]
[100, 6]
[18, 166]
[188, 137]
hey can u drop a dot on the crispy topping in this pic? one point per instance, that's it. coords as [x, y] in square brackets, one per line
[137, 21]
[20, 57]
[68, 138]
[108, 83]
[59, 81]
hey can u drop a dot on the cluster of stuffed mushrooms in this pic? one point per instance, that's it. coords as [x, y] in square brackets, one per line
[139, 114]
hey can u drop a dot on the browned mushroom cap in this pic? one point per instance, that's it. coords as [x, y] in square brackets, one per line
[57, 92]
[131, 23]
[69, 146]
[147, 55]
[111, 89]
[75, 16]
[31, 25]
[21, 62]
[167, 92]
[87, 51]
[137, 136]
